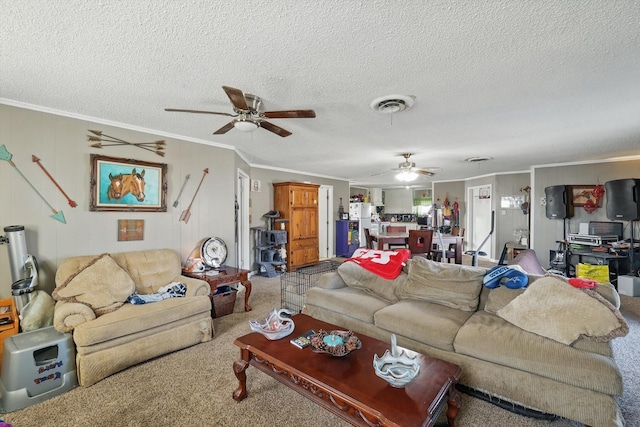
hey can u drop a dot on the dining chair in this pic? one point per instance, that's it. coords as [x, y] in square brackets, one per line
[369, 239]
[457, 231]
[450, 253]
[419, 242]
[397, 229]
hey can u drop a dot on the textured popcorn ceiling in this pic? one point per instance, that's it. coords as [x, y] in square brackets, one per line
[524, 82]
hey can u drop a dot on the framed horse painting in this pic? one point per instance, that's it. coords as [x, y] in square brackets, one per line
[127, 185]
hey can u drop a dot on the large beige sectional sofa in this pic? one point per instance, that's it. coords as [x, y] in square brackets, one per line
[111, 334]
[444, 311]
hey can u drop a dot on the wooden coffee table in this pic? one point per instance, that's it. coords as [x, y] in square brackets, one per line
[348, 386]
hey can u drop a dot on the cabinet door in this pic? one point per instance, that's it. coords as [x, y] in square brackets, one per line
[304, 196]
[304, 223]
[311, 222]
[297, 224]
[303, 252]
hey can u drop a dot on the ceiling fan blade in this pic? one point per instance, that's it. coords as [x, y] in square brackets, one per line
[424, 172]
[380, 173]
[237, 98]
[178, 110]
[275, 129]
[290, 114]
[224, 129]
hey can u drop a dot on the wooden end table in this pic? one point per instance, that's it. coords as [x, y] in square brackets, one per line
[224, 276]
[348, 386]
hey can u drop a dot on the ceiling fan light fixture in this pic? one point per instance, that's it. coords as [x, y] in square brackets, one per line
[245, 125]
[406, 176]
[392, 103]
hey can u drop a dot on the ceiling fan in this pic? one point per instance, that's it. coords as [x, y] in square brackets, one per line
[248, 116]
[407, 171]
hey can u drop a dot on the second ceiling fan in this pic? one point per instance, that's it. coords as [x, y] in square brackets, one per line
[407, 171]
[248, 116]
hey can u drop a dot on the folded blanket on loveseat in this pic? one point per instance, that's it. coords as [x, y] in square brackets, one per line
[172, 290]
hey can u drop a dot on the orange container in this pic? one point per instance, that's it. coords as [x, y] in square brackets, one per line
[9, 322]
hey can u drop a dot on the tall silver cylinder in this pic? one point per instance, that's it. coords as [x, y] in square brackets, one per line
[17, 251]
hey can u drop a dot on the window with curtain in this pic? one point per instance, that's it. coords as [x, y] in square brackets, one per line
[421, 206]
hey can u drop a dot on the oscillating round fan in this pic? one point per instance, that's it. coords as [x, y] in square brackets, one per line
[213, 251]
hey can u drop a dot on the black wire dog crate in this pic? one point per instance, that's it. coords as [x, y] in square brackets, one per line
[294, 285]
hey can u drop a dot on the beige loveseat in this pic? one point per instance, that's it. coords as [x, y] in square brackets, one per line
[110, 334]
[444, 311]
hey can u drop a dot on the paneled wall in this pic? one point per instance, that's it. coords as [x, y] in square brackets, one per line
[61, 144]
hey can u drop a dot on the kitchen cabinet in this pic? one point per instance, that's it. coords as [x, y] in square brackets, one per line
[377, 198]
[398, 201]
[298, 202]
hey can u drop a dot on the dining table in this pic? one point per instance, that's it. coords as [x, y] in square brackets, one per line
[440, 242]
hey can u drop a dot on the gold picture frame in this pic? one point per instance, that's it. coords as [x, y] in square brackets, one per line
[127, 185]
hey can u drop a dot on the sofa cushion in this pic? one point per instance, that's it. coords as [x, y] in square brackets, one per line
[357, 277]
[101, 284]
[487, 337]
[498, 298]
[150, 270]
[126, 323]
[352, 302]
[432, 324]
[554, 309]
[451, 285]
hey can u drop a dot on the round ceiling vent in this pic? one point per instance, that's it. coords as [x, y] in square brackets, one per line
[392, 103]
[478, 159]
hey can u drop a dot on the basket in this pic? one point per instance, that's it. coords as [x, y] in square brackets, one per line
[223, 301]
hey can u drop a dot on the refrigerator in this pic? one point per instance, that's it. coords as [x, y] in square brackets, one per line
[361, 212]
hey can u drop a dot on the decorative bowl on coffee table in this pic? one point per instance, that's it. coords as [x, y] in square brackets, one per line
[276, 325]
[336, 343]
[396, 368]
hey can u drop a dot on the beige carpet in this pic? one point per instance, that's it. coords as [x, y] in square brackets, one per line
[193, 387]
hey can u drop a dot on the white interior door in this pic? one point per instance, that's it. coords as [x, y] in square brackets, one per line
[326, 244]
[243, 238]
[479, 219]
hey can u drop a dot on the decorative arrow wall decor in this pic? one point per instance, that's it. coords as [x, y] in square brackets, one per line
[98, 137]
[37, 160]
[6, 155]
[186, 214]
[175, 204]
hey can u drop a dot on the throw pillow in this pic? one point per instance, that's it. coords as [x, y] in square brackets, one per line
[101, 284]
[451, 285]
[354, 276]
[499, 275]
[554, 309]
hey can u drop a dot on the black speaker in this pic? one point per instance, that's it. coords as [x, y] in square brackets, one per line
[559, 201]
[622, 199]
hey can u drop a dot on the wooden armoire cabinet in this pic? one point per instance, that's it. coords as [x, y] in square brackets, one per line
[298, 202]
